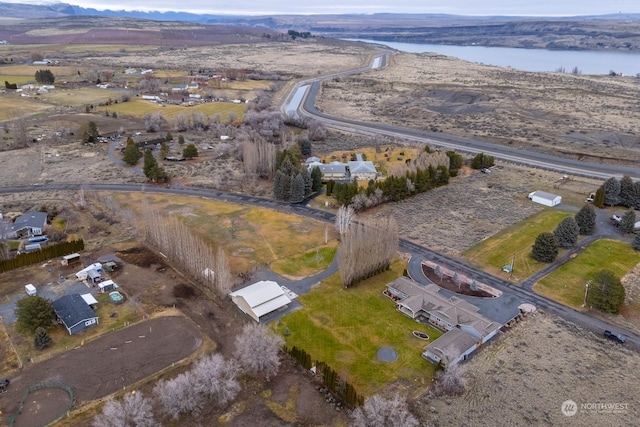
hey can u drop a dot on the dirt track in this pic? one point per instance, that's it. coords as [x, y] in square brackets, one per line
[107, 364]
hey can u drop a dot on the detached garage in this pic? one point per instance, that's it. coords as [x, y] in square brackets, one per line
[260, 298]
[74, 313]
[545, 198]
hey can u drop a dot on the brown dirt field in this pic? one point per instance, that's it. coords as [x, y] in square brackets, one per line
[111, 362]
[475, 206]
[524, 376]
[42, 406]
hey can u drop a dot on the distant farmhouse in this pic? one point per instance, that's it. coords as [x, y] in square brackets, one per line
[28, 225]
[359, 169]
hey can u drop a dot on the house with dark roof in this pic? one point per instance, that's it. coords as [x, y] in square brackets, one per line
[29, 224]
[74, 313]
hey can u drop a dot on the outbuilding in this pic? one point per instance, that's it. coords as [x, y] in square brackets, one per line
[106, 286]
[260, 299]
[74, 313]
[545, 198]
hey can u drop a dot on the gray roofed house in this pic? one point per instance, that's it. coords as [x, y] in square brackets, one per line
[466, 329]
[362, 169]
[312, 159]
[452, 347]
[74, 313]
[329, 172]
[29, 224]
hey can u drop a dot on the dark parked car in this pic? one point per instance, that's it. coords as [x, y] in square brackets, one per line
[4, 383]
[615, 336]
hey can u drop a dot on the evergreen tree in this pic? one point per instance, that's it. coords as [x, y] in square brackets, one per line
[455, 162]
[586, 220]
[33, 312]
[606, 292]
[164, 151]
[636, 195]
[482, 160]
[45, 77]
[131, 153]
[190, 151]
[545, 248]
[181, 140]
[278, 186]
[636, 242]
[316, 179]
[611, 189]
[297, 188]
[598, 201]
[150, 167]
[168, 137]
[566, 233]
[89, 132]
[627, 191]
[308, 183]
[41, 339]
[628, 221]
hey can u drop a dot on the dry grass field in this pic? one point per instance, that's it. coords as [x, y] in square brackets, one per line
[524, 377]
[584, 117]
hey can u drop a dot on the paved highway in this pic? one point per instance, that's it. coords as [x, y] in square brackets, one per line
[527, 157]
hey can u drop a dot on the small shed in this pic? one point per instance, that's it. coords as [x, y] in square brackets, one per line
[106, 286]
[90, 300]
[70, 259]
[74, 313]
[545, 198]
[30, 289]
[261, 298]
[32, 247]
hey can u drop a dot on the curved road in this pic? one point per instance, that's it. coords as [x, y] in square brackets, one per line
[418, 252]
[531, 158]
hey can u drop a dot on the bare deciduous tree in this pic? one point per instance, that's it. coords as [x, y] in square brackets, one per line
[367, 249]
[224, 280]
[134, 410]
[174, 239]
[345, 216]
[258, 155]
[5, 231]
[378, 411]
[257, 350]
[215, 378]
[179, 396]
[449, 381]
[20, 134]
[154, 122]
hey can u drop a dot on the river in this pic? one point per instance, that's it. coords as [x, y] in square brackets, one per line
[587, 61]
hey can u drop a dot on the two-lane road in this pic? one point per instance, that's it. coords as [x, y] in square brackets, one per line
[305, 107]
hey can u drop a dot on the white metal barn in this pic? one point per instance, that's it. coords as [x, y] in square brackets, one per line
[545, 198]
[260, 298]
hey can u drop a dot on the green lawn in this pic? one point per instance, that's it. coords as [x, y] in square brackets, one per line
[305, 264]
[567, 283]
[346, 328]
[513, 245]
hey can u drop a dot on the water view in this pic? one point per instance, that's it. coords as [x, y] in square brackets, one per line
[587, 62]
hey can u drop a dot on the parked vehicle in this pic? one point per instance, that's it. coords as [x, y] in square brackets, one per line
[616, 220]
[615, 336]
[4, 384]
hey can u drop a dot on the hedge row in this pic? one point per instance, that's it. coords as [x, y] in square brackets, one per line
[51, 251]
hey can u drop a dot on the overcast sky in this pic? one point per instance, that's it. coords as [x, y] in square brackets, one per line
[460, 7]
